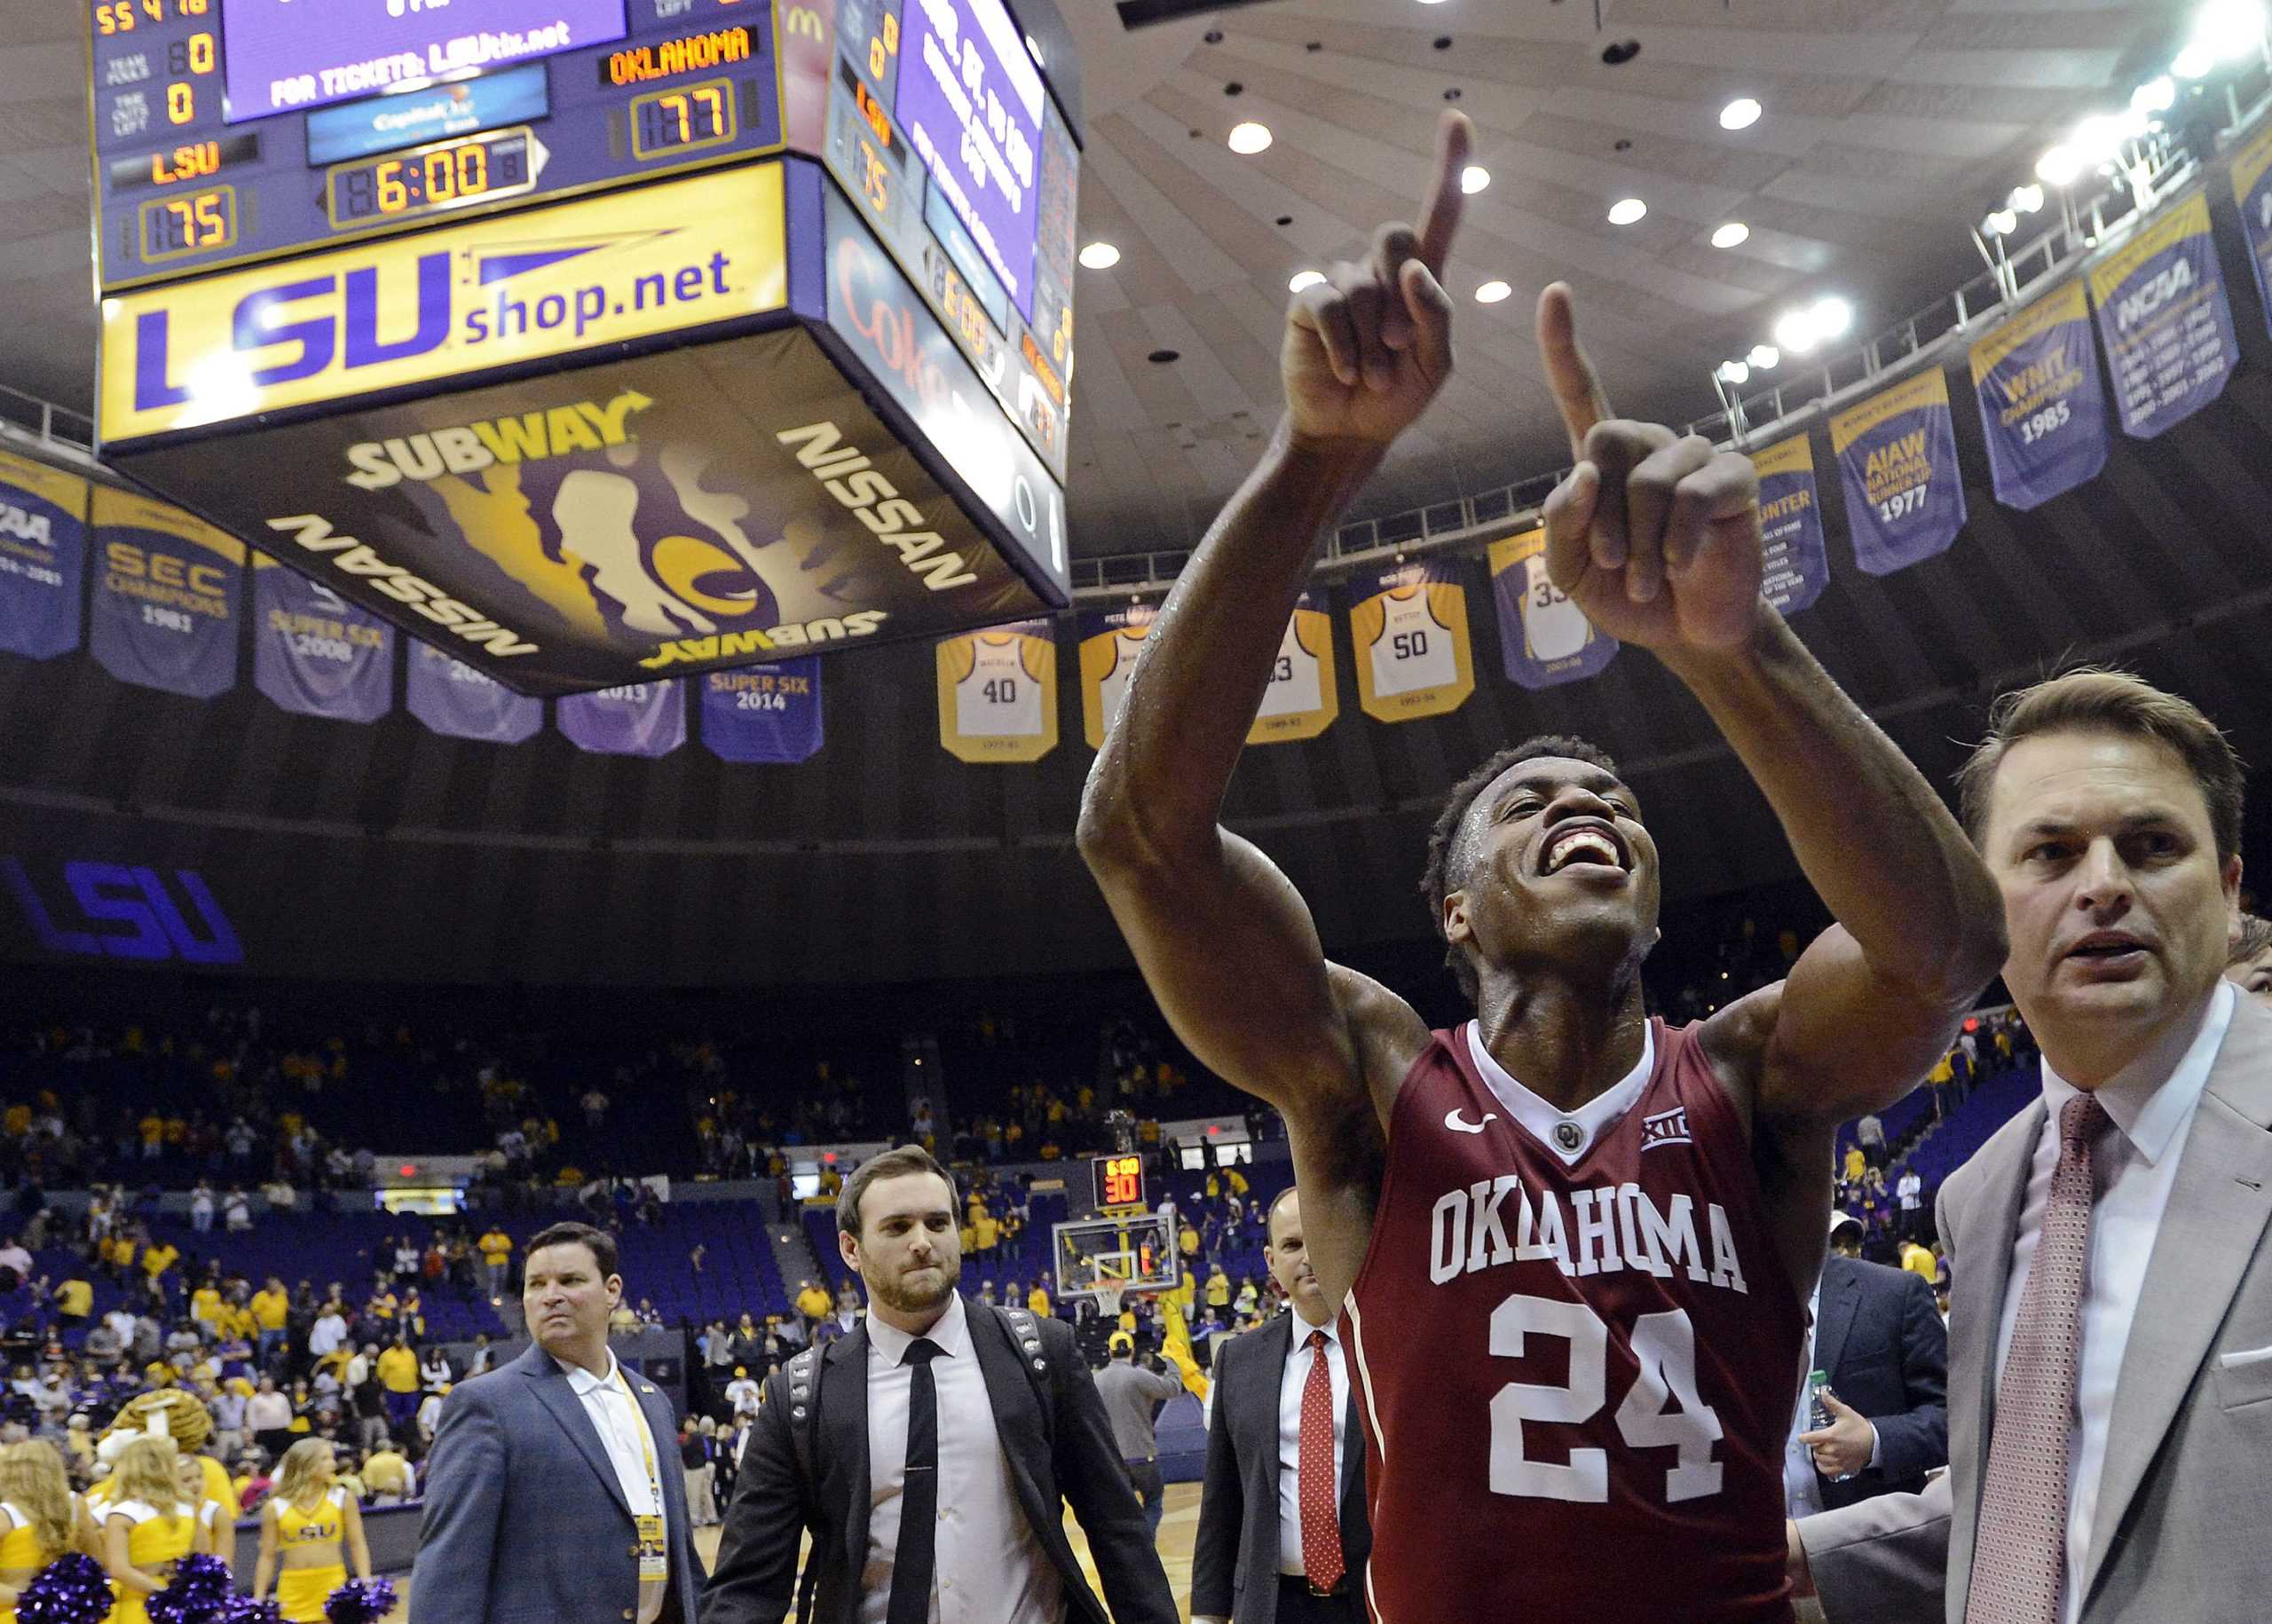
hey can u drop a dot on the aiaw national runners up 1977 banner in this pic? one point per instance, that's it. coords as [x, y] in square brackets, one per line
[456, 701]
[165, 603]
[1790, 524]
[768, 714]
[1407, 635]
[43, 557]
[1543, 637]
[2162, 312]
[1897, 462]
[636, 719]
[2042, 409]
[998, 693]
[314, 653]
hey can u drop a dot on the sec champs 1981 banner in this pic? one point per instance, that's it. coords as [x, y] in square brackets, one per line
[636, 719]
[1544, 638]
[2162, 316]
[2041, 410]
[456, 701]
[315, 654]
[1790, 522]
[1897, 462]
[165, 603]
[763, 714]
[2252, 178]
[43, 557]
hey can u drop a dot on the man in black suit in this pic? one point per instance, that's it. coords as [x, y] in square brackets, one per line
[1879, 1338]
[1276, 1517]
[890, 1444]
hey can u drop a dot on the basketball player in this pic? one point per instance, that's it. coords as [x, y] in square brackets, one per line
[1577, 1244]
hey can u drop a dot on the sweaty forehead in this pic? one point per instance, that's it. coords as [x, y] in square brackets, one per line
[1546, 774]
[2083, 781]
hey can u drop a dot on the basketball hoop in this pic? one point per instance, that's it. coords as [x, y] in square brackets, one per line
[1108, 1301]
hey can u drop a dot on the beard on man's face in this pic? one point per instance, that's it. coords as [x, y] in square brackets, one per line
[899, 1291]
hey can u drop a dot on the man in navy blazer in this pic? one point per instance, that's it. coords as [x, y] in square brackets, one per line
[1879, 1341]
[554, 1493]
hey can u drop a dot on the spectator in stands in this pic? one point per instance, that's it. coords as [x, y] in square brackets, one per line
[1909, 1190]
[200, 1208]
[694, 1450]
[387, 1474]
[74, 1302]
[434, 1373]
[496, 1249]
[1133, 1394]
[2249, 965]
[1037, 1300]
[743, 1393]
[328, 1332]
[397, 1369]
[812, 1302]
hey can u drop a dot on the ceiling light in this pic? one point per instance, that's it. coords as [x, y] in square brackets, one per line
[1764, 356]
[2003, 223]
[1474, 178]
[2229, 29]
[1831, 316]
[1492, 292]
[2058, 167]
[2097, 138]
[1250, 138]
[1741, 114]
[1795, 332]
[2154, 95]
[1304, 278]
[1100, 256]
[2025, 200]
[1625, 211]
[1730, 235]
[1733, 372]
[2195, 61]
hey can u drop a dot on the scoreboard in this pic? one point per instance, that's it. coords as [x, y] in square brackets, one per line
[1118, 1180]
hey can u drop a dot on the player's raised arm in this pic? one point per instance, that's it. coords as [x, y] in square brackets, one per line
[1223, 938]
[1657, 538]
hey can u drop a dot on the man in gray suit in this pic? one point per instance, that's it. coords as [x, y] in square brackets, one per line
[2109, 1378]
[553, 1493]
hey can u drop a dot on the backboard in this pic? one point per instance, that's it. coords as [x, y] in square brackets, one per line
[1135, 1253]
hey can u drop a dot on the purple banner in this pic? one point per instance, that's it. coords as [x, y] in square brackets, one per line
[1790, 522]
[1897, 462]
[2163, 317]
[165, 603]
[314, 653]
[43, 557]
[456, 701]
[2042, 409]
[637, 719]
[764, 712]
[2252, 179]
[1544, 639]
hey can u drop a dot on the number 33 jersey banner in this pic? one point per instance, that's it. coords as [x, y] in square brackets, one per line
[1408, 633]
[2041, 406]
[314, 653]
[1303, 698]
[165, 608]
[1897, 461]
[998, 693]
[1543, 637]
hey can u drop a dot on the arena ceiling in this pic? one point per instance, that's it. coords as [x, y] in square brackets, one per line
[1888, 125]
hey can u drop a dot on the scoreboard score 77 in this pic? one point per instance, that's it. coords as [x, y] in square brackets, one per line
[1119, 1181]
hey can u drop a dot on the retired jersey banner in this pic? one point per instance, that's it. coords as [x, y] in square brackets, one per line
[763, 714]
[2252, 174]
[165, 604]
[636, 719]
[1110, 641]
[2162, 316]
[998, 693]
[456, 701]
[1897, 461]
[1303, 698]
[315, 654]
[1790, 523]
[1543, 637]
[2042, 409]
[43, 557]
[1407, 634]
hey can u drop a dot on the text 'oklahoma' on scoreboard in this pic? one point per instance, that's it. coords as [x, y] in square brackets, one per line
[594, 340]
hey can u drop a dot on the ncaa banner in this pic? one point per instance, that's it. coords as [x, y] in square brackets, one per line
[2251, 175]
[636, 719]
[2162, 316]
[1790, 523]
[43, 557]
[763, 714]
[1110, 641]
[2042, 409]
[456, 701]
[165, 604]
[315, 654]
[1543, 637]
[998, 693]
[1407, 635]
[1303, 699]
[1896, 462]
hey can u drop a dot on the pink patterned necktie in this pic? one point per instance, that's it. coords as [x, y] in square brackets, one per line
[2021, 1550]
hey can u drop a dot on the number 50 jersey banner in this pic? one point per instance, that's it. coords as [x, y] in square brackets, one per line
[1408, 633]
[1897, 460]
[1543, 637]
[2041, 406]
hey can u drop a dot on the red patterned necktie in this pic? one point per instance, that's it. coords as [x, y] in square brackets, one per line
[2020, 1552]
[1318, 1493]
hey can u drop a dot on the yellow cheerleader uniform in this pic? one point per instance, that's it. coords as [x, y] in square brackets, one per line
[154, 1543]
[20, 1548]
[301, 1592]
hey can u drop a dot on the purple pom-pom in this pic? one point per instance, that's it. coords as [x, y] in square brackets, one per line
[360, 1601]
[72, 1589]
[244, 1610]
[201, 1586]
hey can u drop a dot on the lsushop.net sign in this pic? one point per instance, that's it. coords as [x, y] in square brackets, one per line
[111, 910]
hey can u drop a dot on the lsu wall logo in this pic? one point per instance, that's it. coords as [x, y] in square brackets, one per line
[120, 912]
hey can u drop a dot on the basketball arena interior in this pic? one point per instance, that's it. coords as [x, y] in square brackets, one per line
[586, 639]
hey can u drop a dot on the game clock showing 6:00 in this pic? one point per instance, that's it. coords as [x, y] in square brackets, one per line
[1119, 1181]
[429, 179]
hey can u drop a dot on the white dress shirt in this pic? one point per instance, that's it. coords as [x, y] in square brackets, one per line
[1290, 1386]
[632, 1448]
[2151, 1101]
[987, 1566]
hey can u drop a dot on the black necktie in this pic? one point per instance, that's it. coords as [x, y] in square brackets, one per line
[913, 1559]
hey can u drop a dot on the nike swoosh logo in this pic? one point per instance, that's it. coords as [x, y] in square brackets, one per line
[1452, 1121]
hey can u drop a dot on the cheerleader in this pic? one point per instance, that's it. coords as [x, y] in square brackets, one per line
[43, 1519]
[148, 1525]
[303, 1525]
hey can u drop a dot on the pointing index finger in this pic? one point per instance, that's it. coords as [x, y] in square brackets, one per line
[1446, 197]
[1577, 387]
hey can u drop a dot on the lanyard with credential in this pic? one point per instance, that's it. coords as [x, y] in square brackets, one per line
[654, 1566]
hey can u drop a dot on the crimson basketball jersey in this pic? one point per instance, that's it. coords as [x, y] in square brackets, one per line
[1576, 1351]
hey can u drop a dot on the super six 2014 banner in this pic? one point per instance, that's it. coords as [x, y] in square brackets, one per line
[314, 653]
[998, 693]
[165, 603]
[2252, 178]
[1897, 462]
[1797, 563]
[43, 557]
[1543, 637]
[763, 714]
[2042, 409]
[2162, 316]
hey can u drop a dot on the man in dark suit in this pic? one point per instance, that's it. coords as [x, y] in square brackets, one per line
[1282, 1529]
[1879, 1339]
[890, 1444]
[554, 1490]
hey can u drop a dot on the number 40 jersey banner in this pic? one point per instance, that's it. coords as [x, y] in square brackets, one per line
[998, 693]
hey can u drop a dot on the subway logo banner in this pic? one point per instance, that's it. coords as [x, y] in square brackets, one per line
[2162, 316]
[43, 557]
[165, 603]
[1303, 699]
[456, 701]
[1110, 641]
[314, 653]
[637, 719]
[2042, 409]
[1790, 521]
[998, 693]
[1543, 637]
[2252, 178]
[1407, 635]
[766, 713]
[1897, 460]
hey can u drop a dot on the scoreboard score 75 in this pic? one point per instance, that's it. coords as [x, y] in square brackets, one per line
[1119, 1181]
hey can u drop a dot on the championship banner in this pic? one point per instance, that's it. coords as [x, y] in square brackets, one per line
[1407, 635]
[456, 701]
[314, 653]
[1790, 522]
[1543, 637]
[998, 693]
[1110, 641]
[2252, 174]
[1303, 698]
[1896, 462]
[637, 719]
[2162, 316]
[2042, 409]
[165, 613]
[763, 714]
[43, 557]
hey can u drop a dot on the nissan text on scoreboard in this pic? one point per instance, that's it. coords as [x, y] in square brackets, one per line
[594, 341]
